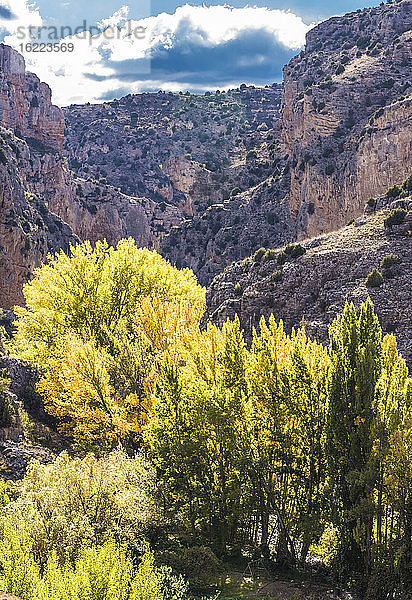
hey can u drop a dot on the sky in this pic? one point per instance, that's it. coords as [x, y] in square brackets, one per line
[109, 48]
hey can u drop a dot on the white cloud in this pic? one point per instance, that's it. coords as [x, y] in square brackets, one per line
[187, 49]
[25, 12]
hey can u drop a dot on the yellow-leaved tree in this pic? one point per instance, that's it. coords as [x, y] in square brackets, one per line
[98, 321]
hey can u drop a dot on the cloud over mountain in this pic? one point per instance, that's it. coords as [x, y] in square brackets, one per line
[196, 48]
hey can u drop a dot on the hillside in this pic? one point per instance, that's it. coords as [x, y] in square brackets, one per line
[332, 270]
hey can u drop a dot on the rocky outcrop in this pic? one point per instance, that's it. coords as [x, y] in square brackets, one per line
[315, 286]
[15, 457]
[345, 124]
[25, 102]
[28, 229]
[26, 431]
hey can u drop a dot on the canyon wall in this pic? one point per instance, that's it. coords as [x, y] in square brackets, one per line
[346, 123]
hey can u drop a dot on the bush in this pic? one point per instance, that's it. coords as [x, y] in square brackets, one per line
[235, 192]
[269, 255]
[295, 250]
[173, 587]
[374, 279]
[389, 261]
[282, 257]
[238, 289]
[395, 217]
[407, 184]
[276, 276]
[258, 255]
[72, 502]
[101, 573]
[393, 192]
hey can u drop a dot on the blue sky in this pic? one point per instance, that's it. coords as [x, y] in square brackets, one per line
[195, 46]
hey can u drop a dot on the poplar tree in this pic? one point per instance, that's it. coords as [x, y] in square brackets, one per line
[356, 363]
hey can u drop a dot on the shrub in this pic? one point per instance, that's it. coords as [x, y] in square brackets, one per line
[258, 255]
[173, 587]
[395, 217]
[393, 192]
[295, 250]
[328, 544]
[371, 202]
[100, 573]
[71, 502]
[235, 192]
[282, 257]
[276, 276]
[407, 184]
[269, 255]
[238, 289]
[389, 261]
[374, 279]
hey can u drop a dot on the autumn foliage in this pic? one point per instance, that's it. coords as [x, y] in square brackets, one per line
[286, 445]
[98, 322]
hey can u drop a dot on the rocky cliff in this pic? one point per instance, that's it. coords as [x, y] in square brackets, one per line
[28, 229]
[344, 135]
[347, 117]
[44, 207]
[25, 102]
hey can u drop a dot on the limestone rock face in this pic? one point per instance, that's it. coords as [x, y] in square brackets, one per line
[44, 207]
[346, 123]
[315, 286]
[28, 229]
[25, 102]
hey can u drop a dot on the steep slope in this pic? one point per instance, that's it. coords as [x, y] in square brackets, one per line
[214, 157]
[28, 229]
[347, 119]
[315, 286]
[184, 149]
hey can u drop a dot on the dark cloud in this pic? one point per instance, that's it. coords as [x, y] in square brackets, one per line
[6, 14]
[253, 56]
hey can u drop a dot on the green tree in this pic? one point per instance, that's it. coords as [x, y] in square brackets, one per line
[356, 363]
[98, 322]
[197, 434]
